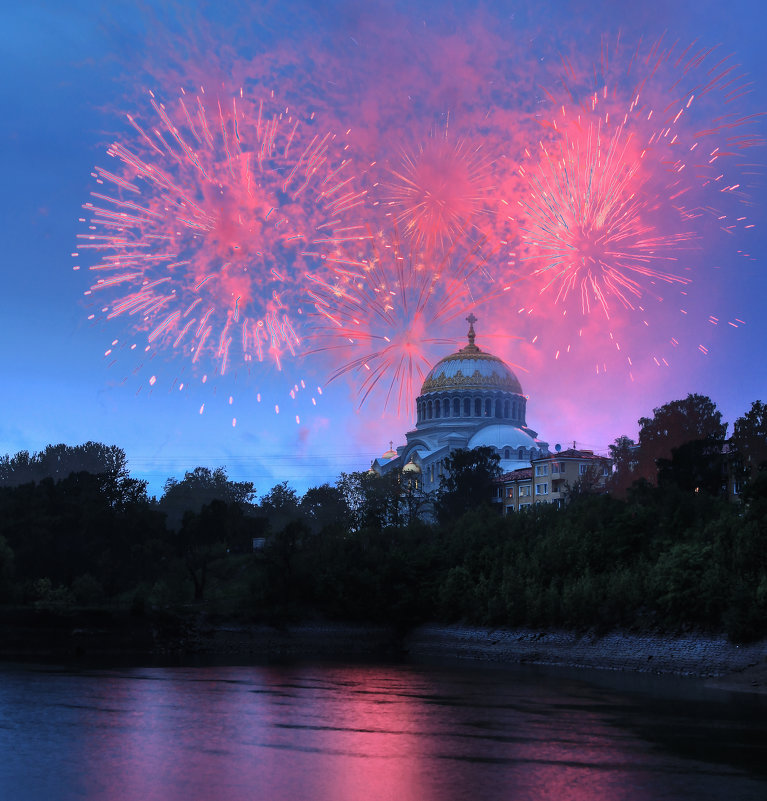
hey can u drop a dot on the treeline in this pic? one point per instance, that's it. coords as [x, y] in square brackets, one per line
[665, 550]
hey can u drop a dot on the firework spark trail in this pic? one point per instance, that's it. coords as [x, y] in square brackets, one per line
[203, 224]
[382, 316]
[438, 191]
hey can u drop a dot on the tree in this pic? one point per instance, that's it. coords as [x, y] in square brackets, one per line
[280, 506]
[749, 440]
[468, 481]
[623, 453]
[673, 425]
[203, 539]
[373, 501]
[325, 507]
[58, 462]
[199, 488]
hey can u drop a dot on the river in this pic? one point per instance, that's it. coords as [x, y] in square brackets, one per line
[363, 732]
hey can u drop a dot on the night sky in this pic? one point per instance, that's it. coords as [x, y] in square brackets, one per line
[504, 101]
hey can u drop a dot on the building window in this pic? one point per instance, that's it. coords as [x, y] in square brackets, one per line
[605, 470]
[446, 407]
[498, 411]
[583, 469]
[524, 492]
[477, 407]
[507, 453]
[521, 454]
[429, 410]
[510, 492]
[542, 489]
[456, 407]
[506, 409]
[488, 407]
[467, 407]
[542, 470]
[555, 468]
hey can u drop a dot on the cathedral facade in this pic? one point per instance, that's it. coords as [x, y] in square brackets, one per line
[469, 399]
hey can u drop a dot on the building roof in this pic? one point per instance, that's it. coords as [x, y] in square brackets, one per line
[515, 475]
[471, 368]
[503, 435]
[571, 453]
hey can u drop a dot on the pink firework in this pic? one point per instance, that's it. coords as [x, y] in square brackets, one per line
[589, 221]
[633, 165]
[383, 313]
[439, 191]
[200, 227]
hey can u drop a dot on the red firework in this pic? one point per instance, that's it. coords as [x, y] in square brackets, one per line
[438, 191]
[384, 312]
[201, 226]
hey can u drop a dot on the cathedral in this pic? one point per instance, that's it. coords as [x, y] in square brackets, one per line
[469, 399]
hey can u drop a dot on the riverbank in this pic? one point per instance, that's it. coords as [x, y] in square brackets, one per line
[714, 659]
[104, 634]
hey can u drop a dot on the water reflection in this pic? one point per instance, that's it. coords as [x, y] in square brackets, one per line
[344, 733]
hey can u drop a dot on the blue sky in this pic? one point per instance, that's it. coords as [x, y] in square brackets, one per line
[72, 70]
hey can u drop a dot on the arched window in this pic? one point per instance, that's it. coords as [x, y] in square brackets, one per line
[428, 410]
[437, 408]
[467, 407]
[514, 411]
[446, 407]
[506, 408]
[498, 408]
[478, 407]
[456, 407]
[507, 453]
[488, 407]
[521, 454]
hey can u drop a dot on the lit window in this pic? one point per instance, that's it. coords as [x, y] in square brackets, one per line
[510, 492]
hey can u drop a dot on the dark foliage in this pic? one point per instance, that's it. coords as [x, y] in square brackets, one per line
[662, 557]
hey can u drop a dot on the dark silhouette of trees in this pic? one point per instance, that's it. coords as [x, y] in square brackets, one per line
[468, 481]
[200, 487]
[749, 441]
[661, 556]
[682, 442]
[324, 508]
[623, 453]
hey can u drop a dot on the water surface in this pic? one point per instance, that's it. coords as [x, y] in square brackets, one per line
[348, 732]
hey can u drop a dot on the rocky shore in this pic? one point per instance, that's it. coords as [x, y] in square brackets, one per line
[99, 634]
[719, 662]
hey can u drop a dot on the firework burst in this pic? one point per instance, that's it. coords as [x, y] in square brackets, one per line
[201, 226]
[438, 191]
[384, 313]
[588, 220]
[643, 162]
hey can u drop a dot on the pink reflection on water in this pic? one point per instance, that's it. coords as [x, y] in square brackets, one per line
[345, 734]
